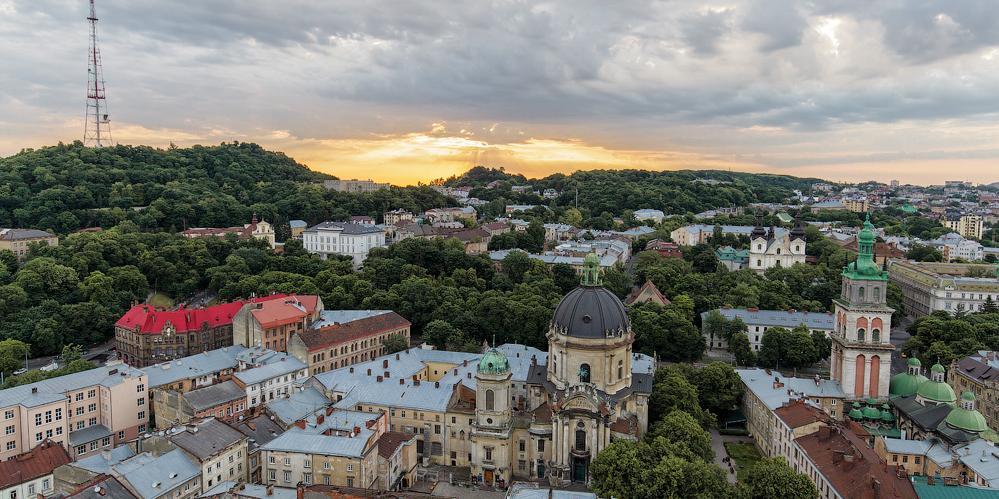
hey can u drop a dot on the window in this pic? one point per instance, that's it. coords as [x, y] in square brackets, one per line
[271, 460]
[38, 437]
[79, 411]
[121, 435]
[141, 401]
[48, 433]
[59, 430]
[580, 439]
[142, 414]
[91, 394]
[584, 373]
[91, 407]
[287, 476]
[860, 334]
[522, 445]
[58, 414]
[80, 425]
[92, 421]
[81, 449]
[489, 453]
[307, 464]
[326, 465]
[541, 445]
[620, 369]
[307, 478]
[38, 419]
[9, 430]
[11, 445]
[8, 415]
[287, 461]
[272, 475]
[31, 489]
[490, 400]
[142, 428]
[140, 388]
[106, 441]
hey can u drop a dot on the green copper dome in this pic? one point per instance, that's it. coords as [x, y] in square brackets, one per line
[905, 384]
[965, 417]
[914, 362]
[937, 368]
[871, 412]
[494, 362]
[936, 391]
[855, 414]
[864, 267]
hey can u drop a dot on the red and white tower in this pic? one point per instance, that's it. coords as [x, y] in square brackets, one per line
[97, 131]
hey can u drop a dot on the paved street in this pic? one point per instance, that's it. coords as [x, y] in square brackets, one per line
[718, 446]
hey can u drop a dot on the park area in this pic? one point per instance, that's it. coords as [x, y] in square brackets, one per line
[745, 456]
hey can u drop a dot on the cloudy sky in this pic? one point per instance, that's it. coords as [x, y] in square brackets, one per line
[412, 90]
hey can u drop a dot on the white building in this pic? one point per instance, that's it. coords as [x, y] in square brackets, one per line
[968, 225]
[770, 248]
[955, 246]
[759, 321]
[341, 238]
[656, 216]
[273, 380]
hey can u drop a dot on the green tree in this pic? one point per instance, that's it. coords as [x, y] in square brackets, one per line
[740, 347]
[772, 477]
[719, 387]
[71, 352]
[12, 355]
[614, 470]
[924, 253]
[681, 428]
[395, 343]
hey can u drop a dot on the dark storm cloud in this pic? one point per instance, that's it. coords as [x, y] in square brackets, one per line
[323, 65]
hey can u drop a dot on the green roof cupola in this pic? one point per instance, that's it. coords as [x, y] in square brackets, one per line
[906, 384]
[864, 268]
[936, 390]
[494, 362]
[966, 417]
[591, 271]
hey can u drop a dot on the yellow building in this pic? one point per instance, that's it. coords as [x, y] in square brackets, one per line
[18, 241]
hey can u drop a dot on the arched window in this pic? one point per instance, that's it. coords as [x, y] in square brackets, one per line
[759, 263]
[584, 373]
[759, 247]
[860, 293]
[860, 334]
[620, 369]
[876, 336]
[797, 249]
[877, 295]
[490, 400]
[778, 251]
[580, 439]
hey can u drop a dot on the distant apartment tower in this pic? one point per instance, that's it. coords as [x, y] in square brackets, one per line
[968, 225]
[395, 217]
[343, 238]
[928, 287]
[354, 185]
[856, 205]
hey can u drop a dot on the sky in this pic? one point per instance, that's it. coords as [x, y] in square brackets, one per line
[406, 92]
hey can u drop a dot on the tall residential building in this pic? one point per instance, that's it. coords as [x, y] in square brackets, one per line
[968, 225]
[861, 342]
[342, 238]
[928, 287]
[856, 205]
[85, 411]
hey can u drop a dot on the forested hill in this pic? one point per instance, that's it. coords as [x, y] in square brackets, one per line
[68, 187]
[613, 191]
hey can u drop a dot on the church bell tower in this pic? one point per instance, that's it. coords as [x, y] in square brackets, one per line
[861, 341]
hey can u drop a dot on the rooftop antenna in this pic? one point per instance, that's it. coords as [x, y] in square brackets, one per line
[97, 130]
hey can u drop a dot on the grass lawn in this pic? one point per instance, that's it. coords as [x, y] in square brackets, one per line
[160, 300]
[744, 455]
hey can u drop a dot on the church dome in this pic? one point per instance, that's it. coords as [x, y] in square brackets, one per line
[591, 312]
[906, 384]
[965, 417]
[936, 390]
[494, 362]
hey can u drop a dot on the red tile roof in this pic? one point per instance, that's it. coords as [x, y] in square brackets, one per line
[797, 414]
[148, 320]
[390, 441]
[33, 464]
[288, 310]
[853, 468]
[325, 337]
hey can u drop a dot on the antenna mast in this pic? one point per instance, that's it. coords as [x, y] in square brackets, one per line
[97, 131]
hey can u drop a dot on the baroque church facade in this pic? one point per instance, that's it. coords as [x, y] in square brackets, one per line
[587, 394]
[776, 247]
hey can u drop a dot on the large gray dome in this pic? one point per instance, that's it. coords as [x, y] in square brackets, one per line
[591, 312]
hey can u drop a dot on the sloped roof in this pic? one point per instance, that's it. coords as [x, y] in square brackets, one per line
[210, 437]
[35, 463]
[193, 366]
[214, 395]
[647, 289]
[390, 441]
[148, 320]
[19, 234]
[54, 389]
[288, 310]
[327, 336]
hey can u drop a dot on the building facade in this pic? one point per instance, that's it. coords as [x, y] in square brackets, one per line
[770, 248]
[354, 185]
[861, 342]
[256, 229]
[84, 412]
[758, 322]
[341, 238]
[929, 287]
[271, 323]
[18, 241]
[968, 225]
[346, 337]
[979, 374]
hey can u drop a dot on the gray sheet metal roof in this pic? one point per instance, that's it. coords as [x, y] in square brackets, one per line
[983, 459]
[591, 312]
[298, 441]
[286, 364]
[254, 490]
[778, 318]
[330, 317]
[99, 464]
[345, 228]
[18, 234]
[193, 366]
[211, 437]
[53, 389]
[298, 405]
[88, 434]
[761, 384]
[211, 396]
[144, 471]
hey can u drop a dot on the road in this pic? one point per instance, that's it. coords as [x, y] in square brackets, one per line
[97, 353]
[898, 337]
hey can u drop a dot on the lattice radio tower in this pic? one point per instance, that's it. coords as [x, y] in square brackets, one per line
[97, 131]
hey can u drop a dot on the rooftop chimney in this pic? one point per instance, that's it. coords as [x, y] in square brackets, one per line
[437, 384]
[329, 410]
[402, 381]
[320, 418]
[416, 382]
[397, 356]
[300, 424]
[385, 364]
[351, 369]
[369, 371]
[379, 378]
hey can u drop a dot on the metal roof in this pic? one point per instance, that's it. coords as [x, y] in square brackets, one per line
[206, 438]
[193, 366]
[346, 228]
[53, 389]
[285, 364]
[157, 476]
[211, 396]
[297, 405]
[761, 384]
[88, 434]
[331, 317]
[297, 441]
[778, 318]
